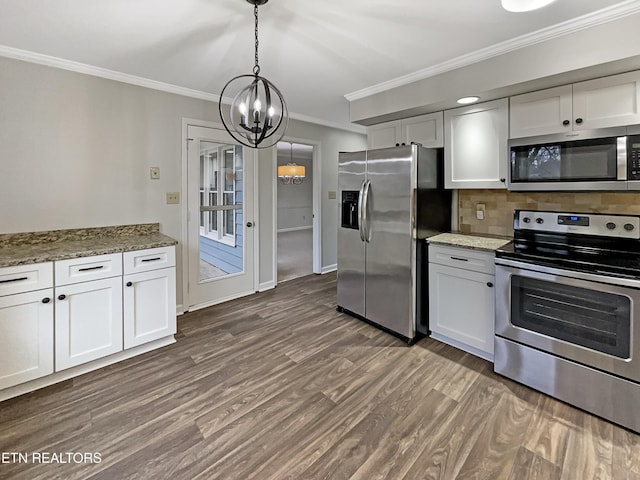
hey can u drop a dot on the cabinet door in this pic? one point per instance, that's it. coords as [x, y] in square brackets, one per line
[476, 152]
[149, 306]
[607, 102]
[88, 321]
[541, 113]
[26, 337]
[383, 135]
[426, 130]
[462, 305]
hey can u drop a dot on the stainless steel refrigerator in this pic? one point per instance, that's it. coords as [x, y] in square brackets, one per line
[391, 200]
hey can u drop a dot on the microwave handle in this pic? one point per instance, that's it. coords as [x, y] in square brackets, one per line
[622, 158]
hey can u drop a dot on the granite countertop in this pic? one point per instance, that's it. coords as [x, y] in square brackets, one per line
[36, 247]
[475, 242]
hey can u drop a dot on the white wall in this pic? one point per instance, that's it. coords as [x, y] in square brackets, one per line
[295, 201]
[75, 151]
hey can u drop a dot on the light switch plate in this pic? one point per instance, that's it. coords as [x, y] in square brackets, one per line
[154, 173]
[173, 198]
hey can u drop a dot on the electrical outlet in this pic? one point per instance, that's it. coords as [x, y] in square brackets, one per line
[480, 211]
[173, 198]
[154, 173]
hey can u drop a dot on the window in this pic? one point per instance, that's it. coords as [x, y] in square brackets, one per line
[220, 174]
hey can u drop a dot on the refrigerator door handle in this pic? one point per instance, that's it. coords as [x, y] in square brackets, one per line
[412, 214]
[360, 210]
[365, 211]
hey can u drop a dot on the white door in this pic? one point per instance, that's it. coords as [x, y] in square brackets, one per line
[221, 237]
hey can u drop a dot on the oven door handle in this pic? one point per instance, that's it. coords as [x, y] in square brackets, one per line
[591, 277]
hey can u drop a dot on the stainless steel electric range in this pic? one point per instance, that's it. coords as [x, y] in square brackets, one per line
[568, 310]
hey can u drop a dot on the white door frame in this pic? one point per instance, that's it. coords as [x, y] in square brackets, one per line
[317, 205]
[186, 122]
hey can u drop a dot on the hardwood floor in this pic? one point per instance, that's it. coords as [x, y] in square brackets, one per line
[281, 386]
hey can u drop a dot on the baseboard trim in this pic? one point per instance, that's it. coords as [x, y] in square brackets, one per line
[266, 286]
[57, 377]
[221, 300]
[329, 268]
[179, 310]
[295, 229]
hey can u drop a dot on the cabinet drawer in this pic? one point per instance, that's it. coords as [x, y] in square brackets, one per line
[25, 278]
[468, 259]
[83, 269]
[149, 259]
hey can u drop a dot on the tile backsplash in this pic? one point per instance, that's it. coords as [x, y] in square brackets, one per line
[500, 204]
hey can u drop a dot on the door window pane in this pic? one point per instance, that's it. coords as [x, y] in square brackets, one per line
[221, 249]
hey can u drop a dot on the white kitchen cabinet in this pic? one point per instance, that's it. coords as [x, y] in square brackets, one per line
[88, 306]
[149, 295]
[603, 102]
[427, 130]
[476, 152]
[26, 336]
[461, 298]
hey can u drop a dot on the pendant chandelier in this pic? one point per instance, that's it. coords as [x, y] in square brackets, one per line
[291, 173]
[258, 116]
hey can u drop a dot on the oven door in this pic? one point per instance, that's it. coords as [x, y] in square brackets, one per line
[587, 318]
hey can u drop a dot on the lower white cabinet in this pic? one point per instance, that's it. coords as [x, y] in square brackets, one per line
[88, 321]
[63, 318]
[26, 337]
[149, 306]
[461, 298]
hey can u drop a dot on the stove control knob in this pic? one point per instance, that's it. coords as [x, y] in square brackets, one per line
[539, 221]
[526, 220]
[611, 225]
[628, 227]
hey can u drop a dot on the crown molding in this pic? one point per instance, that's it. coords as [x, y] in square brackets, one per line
[583, 22]
[61, 63]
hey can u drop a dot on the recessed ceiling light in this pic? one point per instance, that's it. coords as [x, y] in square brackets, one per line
[467, 100]
[524, 5]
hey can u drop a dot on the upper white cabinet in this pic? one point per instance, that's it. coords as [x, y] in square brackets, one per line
[607, 102]
[423, 129]
[541, 113]
[476, 145]
[604, 102]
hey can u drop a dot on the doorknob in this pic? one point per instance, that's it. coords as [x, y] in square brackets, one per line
[249, 224]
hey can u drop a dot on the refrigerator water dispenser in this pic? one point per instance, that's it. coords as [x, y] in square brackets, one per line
[350, 209]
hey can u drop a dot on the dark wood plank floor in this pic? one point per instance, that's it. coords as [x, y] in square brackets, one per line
[281, 386]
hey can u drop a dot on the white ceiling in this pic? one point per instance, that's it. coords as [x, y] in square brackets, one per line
[315, 52]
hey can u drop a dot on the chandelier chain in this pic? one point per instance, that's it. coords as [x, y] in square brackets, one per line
[256, 68]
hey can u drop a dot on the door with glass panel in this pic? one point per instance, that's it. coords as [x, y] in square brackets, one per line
[220, 217]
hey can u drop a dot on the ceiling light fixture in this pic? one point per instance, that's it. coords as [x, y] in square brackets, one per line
[524, 5]
[468, 100]
[291, 173]
[258, 116]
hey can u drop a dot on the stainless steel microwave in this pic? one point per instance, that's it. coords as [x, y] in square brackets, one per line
[605, 159]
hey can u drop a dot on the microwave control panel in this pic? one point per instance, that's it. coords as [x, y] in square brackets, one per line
[633, 155]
